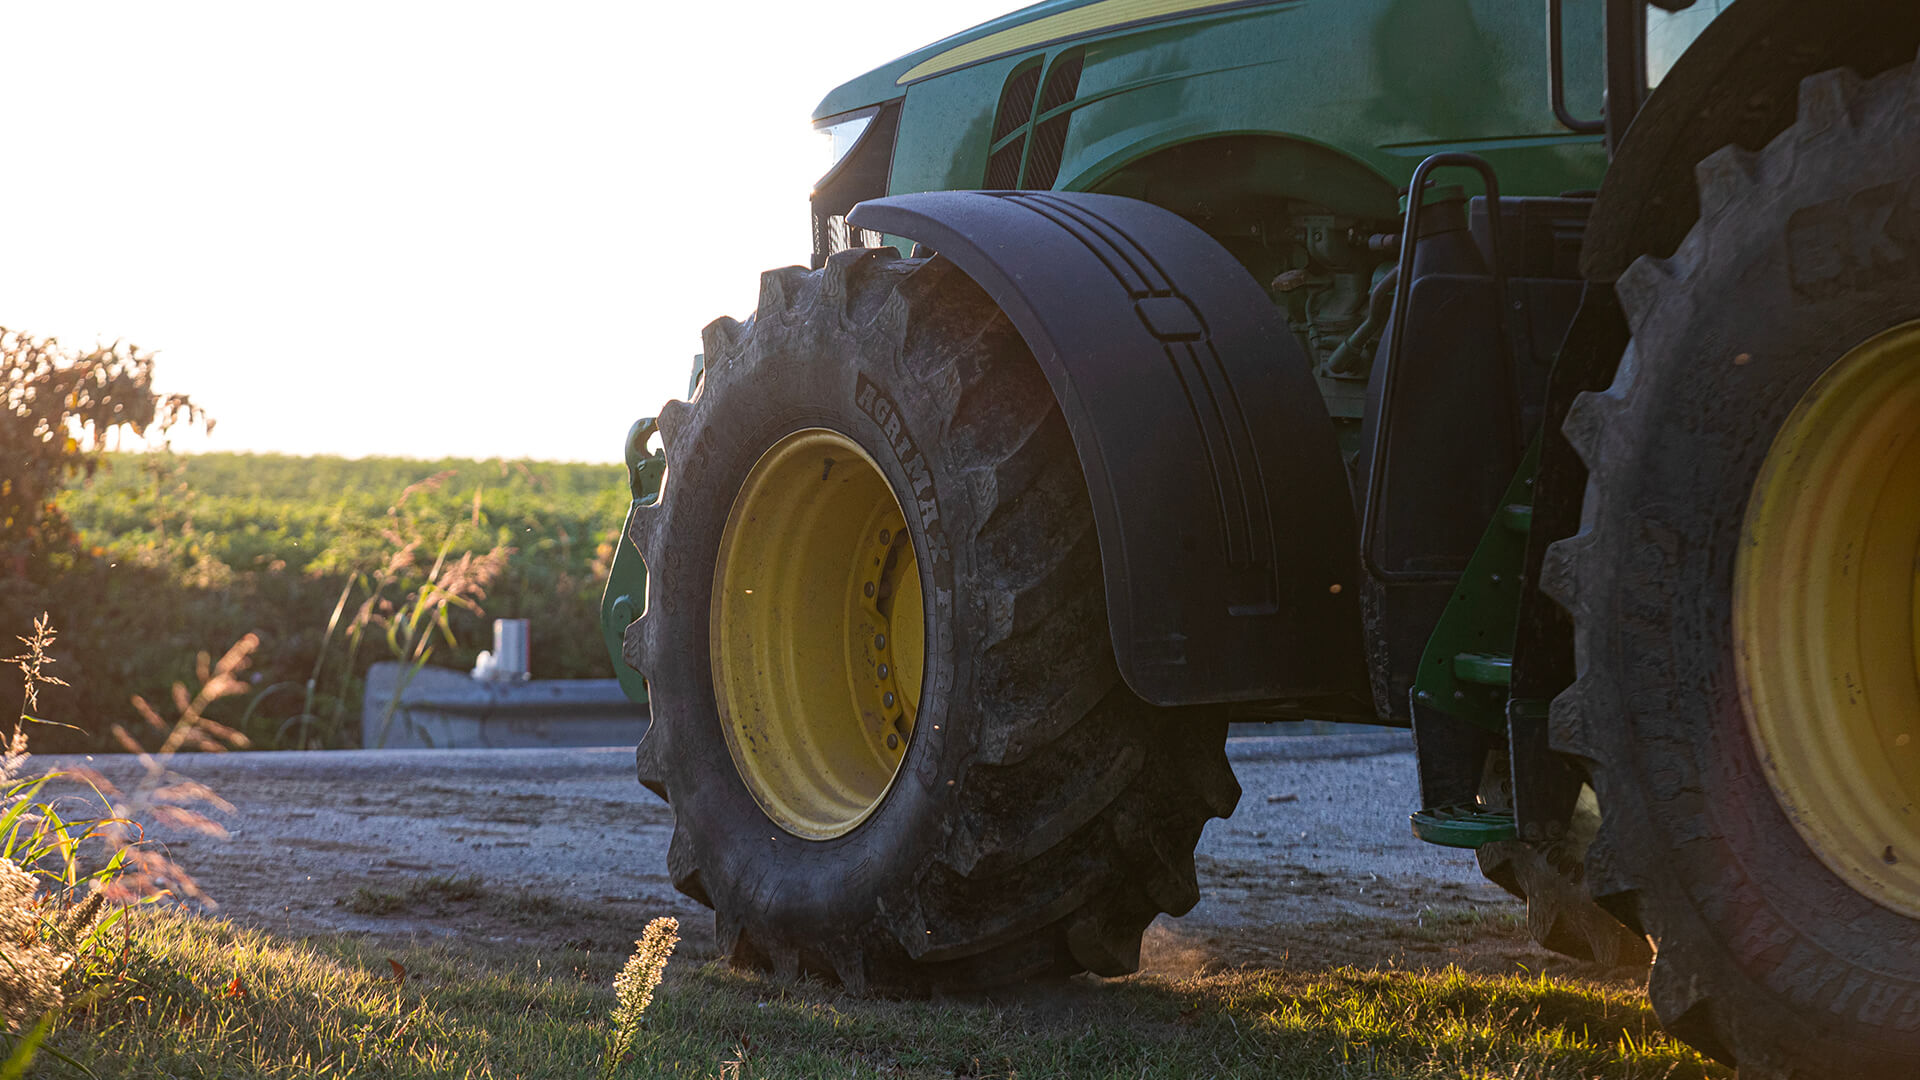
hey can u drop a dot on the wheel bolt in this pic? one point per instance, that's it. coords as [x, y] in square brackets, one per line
[886, 537]
[883, 671]
[893, 741]
[879, 641]
[887, 700]
[868, 589]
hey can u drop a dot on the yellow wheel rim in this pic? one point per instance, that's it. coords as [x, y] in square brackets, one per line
[1827, 618]
[817, 634]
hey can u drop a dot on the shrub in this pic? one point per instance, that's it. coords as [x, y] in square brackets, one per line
[53, 398]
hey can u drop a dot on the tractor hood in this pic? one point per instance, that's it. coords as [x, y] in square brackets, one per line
[1040, 24]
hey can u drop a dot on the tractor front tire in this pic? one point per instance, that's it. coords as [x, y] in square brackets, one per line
[1744, 597]
[886, 710]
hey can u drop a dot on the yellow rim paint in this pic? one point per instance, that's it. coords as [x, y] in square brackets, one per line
[1827, 618]
[1091, 19]
[816, 633]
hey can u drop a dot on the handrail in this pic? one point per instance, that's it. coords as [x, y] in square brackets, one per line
[1387, 365]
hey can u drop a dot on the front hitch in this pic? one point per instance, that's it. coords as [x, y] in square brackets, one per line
[626, 593]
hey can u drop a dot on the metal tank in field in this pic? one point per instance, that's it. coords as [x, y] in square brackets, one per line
[1543, 377]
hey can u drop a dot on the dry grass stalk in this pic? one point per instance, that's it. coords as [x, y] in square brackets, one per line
[633, 988]
[33, 663]
[164, 796]
[422, 616]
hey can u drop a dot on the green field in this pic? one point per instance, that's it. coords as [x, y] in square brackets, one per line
[183, 554]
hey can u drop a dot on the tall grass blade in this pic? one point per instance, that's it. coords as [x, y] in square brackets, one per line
[26, 1049]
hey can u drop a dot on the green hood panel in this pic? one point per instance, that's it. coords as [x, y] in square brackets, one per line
[1028, 28]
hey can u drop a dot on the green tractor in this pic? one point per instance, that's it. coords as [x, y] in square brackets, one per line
[1147, 377]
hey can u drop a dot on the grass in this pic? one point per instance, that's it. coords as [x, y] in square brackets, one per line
[1455, 925]
[219, 1000]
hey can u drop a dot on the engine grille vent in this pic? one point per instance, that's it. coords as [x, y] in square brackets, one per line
[1050, 137]
[1027, 144]
[1016, 111]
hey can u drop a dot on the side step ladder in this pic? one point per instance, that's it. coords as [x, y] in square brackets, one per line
[1463, 826]
[1469, 825]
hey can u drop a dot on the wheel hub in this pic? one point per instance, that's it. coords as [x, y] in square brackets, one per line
[1827, 618]
[817, 634]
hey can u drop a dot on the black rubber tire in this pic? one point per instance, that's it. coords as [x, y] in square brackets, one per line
[1043, 815]
[1765, 957]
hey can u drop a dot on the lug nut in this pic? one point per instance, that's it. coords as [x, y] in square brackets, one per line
[879, 641]
[893, 741]
[884, 672]
[868, 588]
[886, 537]
[887, 700]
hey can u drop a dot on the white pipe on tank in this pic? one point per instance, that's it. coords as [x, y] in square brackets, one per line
[510, 660]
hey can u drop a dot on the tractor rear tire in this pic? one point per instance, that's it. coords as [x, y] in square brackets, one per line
[1039, 815]
[1806, 260]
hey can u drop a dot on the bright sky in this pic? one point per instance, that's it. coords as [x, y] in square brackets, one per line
[427, 229]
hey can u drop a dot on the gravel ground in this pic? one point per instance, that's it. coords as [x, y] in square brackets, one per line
[1320, 840]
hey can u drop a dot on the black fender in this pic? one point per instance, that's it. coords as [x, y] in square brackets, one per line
[1225, 521]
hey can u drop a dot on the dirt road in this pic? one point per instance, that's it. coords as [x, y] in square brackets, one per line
[1316, 863]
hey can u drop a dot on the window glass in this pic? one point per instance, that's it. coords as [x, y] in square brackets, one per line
[1670, 32]
[843, 135]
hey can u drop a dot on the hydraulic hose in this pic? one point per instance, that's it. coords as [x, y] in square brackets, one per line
[1348, 358]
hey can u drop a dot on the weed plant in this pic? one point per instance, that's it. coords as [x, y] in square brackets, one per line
[633, 990]
[72, 868]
